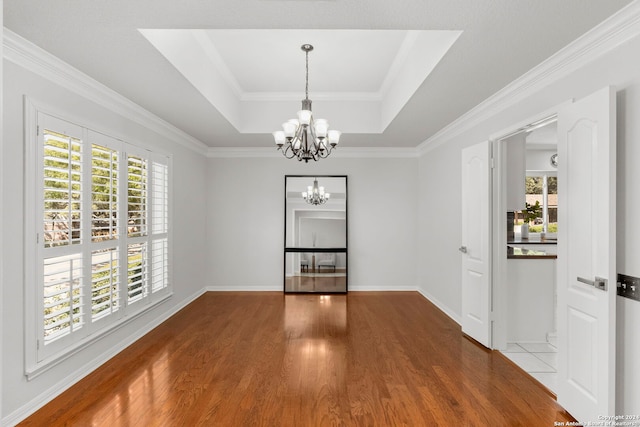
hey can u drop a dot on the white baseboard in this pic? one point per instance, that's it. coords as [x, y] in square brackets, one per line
[243, 288]
[446, 310]
[366, 288]
[46, 396]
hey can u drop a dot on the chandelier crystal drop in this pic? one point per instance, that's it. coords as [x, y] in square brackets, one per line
[315, 195]
[306, 138]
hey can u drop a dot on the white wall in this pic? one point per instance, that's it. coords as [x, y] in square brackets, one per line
[1, 198]
[19, 395]
[531, 311]
[440, 203]
[517, 158]
[329, 232]
[540, 160]
[245, 215]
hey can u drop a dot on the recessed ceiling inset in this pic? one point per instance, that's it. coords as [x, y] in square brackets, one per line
[362, 78]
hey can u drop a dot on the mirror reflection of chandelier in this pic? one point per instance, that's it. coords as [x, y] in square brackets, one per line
[306, 138]
[315, 195]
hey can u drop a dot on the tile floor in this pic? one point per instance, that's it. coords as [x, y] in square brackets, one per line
[539, 360]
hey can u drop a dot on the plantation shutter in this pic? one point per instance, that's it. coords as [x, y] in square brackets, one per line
[61, 270]
[160, 224]
[98, 236]
[104, 253]
[137, 226]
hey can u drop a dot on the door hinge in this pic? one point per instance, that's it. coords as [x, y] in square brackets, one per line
[38, 130]
[37, 344]
[493, 165]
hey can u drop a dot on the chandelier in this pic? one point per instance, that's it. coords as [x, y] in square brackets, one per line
[315, 195]
[306, 138]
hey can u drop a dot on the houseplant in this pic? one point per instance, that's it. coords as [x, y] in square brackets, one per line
[530, 213]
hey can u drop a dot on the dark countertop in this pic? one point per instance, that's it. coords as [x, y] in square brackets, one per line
[521, 253]
[532, 241]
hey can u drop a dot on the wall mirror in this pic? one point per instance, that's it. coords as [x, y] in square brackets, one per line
[315, 219]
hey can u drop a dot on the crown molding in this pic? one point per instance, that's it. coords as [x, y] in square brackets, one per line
[404, 52]
[322, 96]
[603, 38]
[211, 52]
[23, 53]
[341, 152]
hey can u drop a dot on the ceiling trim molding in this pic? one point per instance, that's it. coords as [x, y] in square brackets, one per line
[212, 53]
[341, 152]
[400, 59]
[23, 53]
[323, 96]
[603, 38]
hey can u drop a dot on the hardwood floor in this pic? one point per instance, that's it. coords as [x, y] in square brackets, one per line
[328, 282]
[266, 359]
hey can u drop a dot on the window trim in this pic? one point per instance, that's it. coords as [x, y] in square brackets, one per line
[35, 363]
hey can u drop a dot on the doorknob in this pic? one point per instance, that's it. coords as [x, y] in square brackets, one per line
[598, 283]
[463, 249]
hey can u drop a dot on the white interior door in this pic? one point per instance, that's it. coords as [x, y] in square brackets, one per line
[586, 256]
[475, 247]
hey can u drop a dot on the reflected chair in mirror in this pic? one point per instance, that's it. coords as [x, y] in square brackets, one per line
[327, 261]
[304, 265]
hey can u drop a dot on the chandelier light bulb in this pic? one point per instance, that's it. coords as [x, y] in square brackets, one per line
[334, 137]
[289, 129]
[279, 137]
[304, 116]
[321, 128]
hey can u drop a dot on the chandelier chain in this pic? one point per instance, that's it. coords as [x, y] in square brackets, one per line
[306, 87]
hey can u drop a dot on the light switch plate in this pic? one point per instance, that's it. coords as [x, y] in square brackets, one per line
[629, 287]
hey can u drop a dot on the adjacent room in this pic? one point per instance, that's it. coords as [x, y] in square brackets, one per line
[319, 212]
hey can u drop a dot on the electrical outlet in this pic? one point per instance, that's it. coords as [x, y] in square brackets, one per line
[629, 287]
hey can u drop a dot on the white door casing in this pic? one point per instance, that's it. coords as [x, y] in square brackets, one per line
[475, 248]
[586, 250]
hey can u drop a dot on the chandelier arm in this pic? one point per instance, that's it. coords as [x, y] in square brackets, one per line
[314, 138]
[287, 150]
[299, 133]
[300, 155]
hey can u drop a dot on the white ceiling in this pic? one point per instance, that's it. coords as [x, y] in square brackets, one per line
[544, 138]
[241, 74]
[385, 68]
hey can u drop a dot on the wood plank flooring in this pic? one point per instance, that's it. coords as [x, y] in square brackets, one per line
[266, 359]
[316, 283]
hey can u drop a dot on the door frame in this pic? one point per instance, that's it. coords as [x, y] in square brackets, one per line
[498, 212]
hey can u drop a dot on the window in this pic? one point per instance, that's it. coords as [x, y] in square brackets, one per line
[543, 189]
[101, 233]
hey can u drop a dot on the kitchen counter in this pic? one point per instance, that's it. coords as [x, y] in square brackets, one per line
[536, 241]
[515, 252]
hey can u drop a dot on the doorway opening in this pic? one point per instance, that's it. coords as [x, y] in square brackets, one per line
[525, 248]
[586, 299]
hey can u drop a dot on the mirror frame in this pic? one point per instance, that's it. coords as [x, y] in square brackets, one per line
[317, 250]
